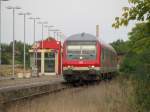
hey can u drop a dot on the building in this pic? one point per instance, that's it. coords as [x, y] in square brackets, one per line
[46, 57]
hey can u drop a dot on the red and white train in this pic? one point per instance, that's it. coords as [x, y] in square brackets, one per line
[87, 58]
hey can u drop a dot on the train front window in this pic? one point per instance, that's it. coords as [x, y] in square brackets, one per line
[81, 52]
[74, 49]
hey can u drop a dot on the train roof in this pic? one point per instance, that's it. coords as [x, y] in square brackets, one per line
[103, 44]
[88, 37]
[82, 37]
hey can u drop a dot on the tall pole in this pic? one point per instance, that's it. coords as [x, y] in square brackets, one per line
[43, 23]
[34, 32]
[13, 42]
[60, 36]
[97, 31]
[42, 36]
[35, 52]
[57, 36]
[0, 36]
[24, 56]
[13, 57]
[49, 28]
[1, 30]
[34, 22]
[54, 34]
[24, 62]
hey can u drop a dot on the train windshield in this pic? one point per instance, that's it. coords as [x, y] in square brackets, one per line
[81, 51]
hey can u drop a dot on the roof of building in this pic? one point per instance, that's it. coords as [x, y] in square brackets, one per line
[49, 43]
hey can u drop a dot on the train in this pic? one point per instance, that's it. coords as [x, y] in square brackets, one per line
[87, 58]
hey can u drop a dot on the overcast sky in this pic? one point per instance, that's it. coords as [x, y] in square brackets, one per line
[70, 16]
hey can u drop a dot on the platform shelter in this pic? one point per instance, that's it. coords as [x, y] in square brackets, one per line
[46, 57]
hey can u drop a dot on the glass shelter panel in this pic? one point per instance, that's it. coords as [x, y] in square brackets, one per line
[49, 62]
[35, 60]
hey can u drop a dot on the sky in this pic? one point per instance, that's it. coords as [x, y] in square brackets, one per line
[70, 16]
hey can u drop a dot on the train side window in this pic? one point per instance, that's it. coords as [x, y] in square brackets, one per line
[103, 55]
[106, 56]
[112, 59]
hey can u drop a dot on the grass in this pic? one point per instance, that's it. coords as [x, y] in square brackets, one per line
[6, 70]
[110, 96]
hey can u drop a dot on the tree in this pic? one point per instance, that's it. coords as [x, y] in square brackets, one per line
[138, 10]
[137, 60]
[19, 52]
[138, 47]
[140, 37]
[120, 46]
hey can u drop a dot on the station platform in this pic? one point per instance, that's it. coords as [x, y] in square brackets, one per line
[13, 89]
[6, 82]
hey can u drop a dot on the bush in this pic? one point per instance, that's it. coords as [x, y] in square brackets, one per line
[139, 66]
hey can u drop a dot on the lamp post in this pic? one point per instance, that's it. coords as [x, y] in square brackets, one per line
[14, 9]
[1, 30]
[24, 62]
[34, 21]
[60, 34]
[55, 31]
[35, 53]
[43, 23]
[49, 28]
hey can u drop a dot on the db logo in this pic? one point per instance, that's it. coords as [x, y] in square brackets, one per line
[80, 62]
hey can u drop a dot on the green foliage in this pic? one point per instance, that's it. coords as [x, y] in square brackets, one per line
[137, 63]
[138, 46]
[142, 95]
[137, 60]
[138, 10]
[120, 46]
[140, 37]
[19, 52]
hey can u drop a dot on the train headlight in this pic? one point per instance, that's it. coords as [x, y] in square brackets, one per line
[93, 66]
[81, 57]
[70, 67]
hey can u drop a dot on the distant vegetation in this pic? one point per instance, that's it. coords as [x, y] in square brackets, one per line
[19, 52]
[136, 64]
